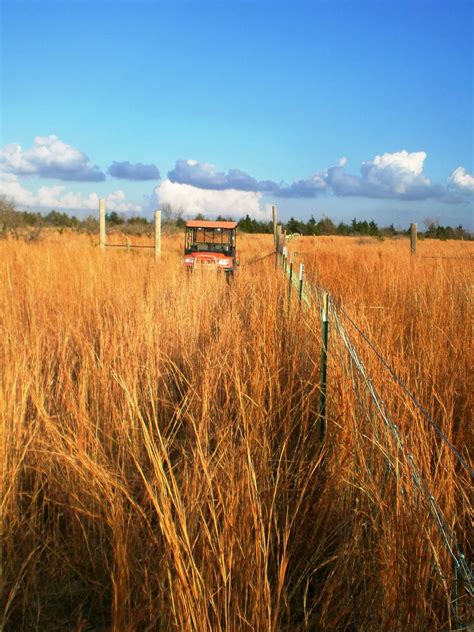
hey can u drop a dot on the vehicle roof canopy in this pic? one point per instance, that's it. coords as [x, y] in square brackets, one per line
[197, 223]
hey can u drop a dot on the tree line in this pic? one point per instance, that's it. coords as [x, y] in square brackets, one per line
[325, 226]
[12, 220]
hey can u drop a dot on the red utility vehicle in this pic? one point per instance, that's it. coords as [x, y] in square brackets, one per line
[211, 244]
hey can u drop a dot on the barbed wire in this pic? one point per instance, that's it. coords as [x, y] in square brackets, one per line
[337, 302]
[257, 259]
[419, 481]
[407, 392]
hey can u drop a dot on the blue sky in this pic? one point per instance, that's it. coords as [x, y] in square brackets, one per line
[341, 108]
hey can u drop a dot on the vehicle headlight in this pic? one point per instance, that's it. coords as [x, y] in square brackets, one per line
[189, 260]
[224, 262]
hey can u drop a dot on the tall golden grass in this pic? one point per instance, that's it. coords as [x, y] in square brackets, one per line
[161, 464]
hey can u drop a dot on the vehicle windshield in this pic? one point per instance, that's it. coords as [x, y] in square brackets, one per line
[220, 240]
[211, 247]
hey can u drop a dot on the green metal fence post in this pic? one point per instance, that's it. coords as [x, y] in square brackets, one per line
[300, 288]
[291, 273]
[324, 360]
[275, 234]
[290, 280]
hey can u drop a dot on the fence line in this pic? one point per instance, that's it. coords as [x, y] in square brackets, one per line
[257, 259]
[128, 246]
[338, 303]
[455, 258]
[334, 306]
[407, 392]
[103, 233]
[419, 481]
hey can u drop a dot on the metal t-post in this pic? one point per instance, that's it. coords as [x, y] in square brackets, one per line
[324, 361]
[300, 288]
[284, 255]
[291, 273]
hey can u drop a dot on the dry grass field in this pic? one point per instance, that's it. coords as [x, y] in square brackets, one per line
[161, 462]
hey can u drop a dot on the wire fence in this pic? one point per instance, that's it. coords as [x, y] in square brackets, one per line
[314, 297]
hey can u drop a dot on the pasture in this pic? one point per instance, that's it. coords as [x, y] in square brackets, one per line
[162, 467]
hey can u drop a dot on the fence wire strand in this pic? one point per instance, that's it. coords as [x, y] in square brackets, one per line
[419, 481]
[407, 392]
[420, 484]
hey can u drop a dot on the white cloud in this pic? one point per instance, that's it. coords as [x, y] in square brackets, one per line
[462, 180]
[396, 172]
[49, 157]
[210, 202]
[11, 188]
[402, 161]
[398, 175]
[56, 197]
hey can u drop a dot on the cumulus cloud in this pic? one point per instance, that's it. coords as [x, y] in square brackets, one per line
[462, 181]
[309, 188]
[49, 157]
[210, 202]
[396, 175]
[127, 171]
[205, 175]
[56, 197]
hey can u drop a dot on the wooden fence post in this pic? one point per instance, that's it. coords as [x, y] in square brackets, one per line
[275, 234]
[279, 238]
[413, 236]
[102, 233]
[274, 217]
[157, 234]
